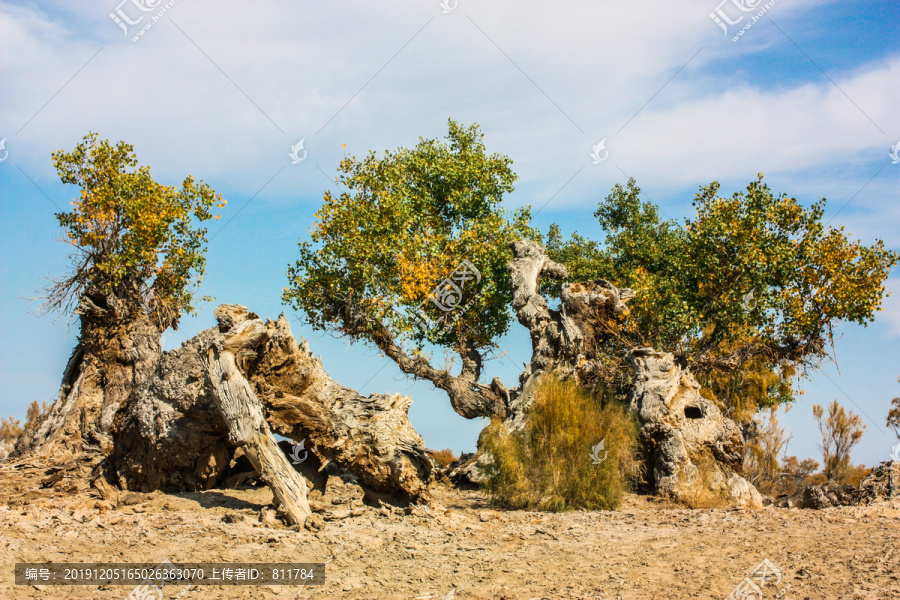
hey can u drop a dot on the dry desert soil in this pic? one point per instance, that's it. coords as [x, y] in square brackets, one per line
[457, 548]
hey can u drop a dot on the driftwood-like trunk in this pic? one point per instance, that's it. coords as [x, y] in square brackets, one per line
[687, 443]
[369, 436]
[563, 340]
[117, 351]
[173, 437]
[247, 429]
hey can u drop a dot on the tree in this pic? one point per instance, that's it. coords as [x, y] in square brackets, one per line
[804, 467]
[840, 432]
[745, 293]
[132, 237]
[893, 418]
[383, 254]
[395, 253]
[797, 474]
[137, 252]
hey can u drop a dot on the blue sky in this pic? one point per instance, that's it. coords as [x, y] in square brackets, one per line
[807, 95]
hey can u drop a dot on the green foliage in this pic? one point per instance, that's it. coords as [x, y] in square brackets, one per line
[129, 231]
[548, 466]
[753, 276]
[406, 221]
[756, 385]
[840, 431]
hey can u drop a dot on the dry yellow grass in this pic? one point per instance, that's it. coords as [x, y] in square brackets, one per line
[550, 466]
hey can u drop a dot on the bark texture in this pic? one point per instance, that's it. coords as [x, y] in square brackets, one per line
[369, 436]
[173, 436]
[565, 339]
[687, 442]
[468, 397]
[248, 430]
[118, 349]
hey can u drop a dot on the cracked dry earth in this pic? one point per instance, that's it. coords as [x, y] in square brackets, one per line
[648, 549]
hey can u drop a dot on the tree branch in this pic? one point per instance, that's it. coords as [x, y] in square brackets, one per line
[468, 397]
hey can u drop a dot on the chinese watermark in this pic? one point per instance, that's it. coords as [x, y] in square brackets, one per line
[736, 13]
[595, 452]
[895, 153]
[749, 301]
[35, 574]
[447, 296]
[449, 5]
[6, 152]
[295, 152]
[148, 590]
[136, 13]
[751, 588]
[295, 452]
[895, 454]
[596, 152]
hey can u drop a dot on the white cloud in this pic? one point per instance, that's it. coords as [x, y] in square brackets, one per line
[297, 66]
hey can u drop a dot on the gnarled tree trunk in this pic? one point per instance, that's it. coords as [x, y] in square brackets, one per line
[173, 437]
[118, 349]
[369, 436]
[565, 339]
[688, 445]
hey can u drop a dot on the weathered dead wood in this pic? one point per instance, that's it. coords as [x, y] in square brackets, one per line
[173, 437]
[687, 442]
[247, 429]
[370, 436]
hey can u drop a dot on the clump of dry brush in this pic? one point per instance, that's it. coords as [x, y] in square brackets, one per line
[557, 462]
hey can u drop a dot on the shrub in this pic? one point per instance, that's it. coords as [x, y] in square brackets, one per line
[10, 430]
[761, 465]
[855, 475]
[795, 475]
[841, 430]
[444, 458]
[549, 466]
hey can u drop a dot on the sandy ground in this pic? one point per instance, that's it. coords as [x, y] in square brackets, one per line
[458, 548]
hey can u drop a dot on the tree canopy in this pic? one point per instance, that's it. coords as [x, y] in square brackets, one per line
[132, 237]
[404, 223]
[382, 256]
[744, 292]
